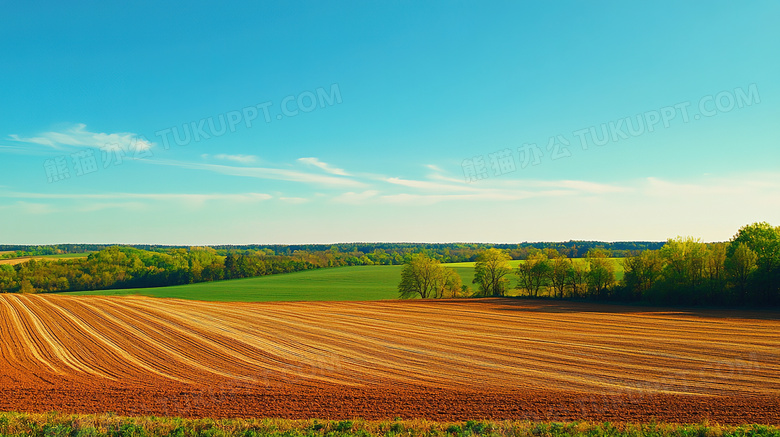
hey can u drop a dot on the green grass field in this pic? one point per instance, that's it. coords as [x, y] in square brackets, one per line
[88, 425]
[333, 284]
[66, 255]
[54, 424]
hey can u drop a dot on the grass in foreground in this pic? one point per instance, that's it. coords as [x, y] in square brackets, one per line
[55, 425]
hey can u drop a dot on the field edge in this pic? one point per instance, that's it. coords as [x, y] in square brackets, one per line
[108, 424]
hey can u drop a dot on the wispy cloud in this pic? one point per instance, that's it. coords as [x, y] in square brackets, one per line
[33, 208]
[355, 198]
[432, 186]
[267, 173]
[426, 199]
[231, 197]
[323, 165]
[100, 206]
[755, 184]
[243, 159]
[44, 203]
[78, 136]
[294, 200]
[482, 196]
[584, 187]
[444, 188]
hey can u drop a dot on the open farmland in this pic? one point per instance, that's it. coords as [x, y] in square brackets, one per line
[327, 284]
[19, 260]
[446, 360]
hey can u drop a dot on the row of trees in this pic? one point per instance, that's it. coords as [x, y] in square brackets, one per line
[357, 253]
[550, 273]
[745, 270]
[127, 267]
[143, 266]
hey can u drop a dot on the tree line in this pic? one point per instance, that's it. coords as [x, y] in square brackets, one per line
[684, 271]
[129, 267]
[365, 253]
[142, 266]
[158, 266]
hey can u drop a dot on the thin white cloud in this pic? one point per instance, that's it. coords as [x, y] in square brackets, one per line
[485, 196]
[713, 186]
[565, 184]
[442, 177]
[33, 208]
[456, 184]
[100, 206]
[355, 198]
[432, 186]
[43, 203]
[323, 165]
[294, 200]
[509, 188]
[579, 186]
[15, 148]
[166, 197]
[243, 159]
[425, 199]
[79, 136]
[266, 173]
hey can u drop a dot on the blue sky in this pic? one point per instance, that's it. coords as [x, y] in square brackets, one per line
[206, 123]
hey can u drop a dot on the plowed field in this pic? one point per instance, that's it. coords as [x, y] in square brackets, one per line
[446, 360]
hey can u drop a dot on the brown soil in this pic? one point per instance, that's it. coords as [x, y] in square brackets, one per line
[445, 360]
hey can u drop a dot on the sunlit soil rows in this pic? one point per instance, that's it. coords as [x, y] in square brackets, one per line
[458, 359]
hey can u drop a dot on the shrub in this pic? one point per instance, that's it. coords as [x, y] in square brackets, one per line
[343, 426]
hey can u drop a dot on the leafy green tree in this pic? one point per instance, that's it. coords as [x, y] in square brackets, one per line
[451, 284]
[716, 271]
[577, 277]
[684, 272]
[7, 278]
[741, 265]
[425, 278]
[685, 261]
[601, 274]
[26, 287]
[641, 271]
[764, 241]
[716, 261]
[533, 274]
[231, 270]
[558, 274]
[491, 271]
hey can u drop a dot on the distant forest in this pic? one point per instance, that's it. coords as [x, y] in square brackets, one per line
[141, 266]
[680, 271]
[463, 251]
